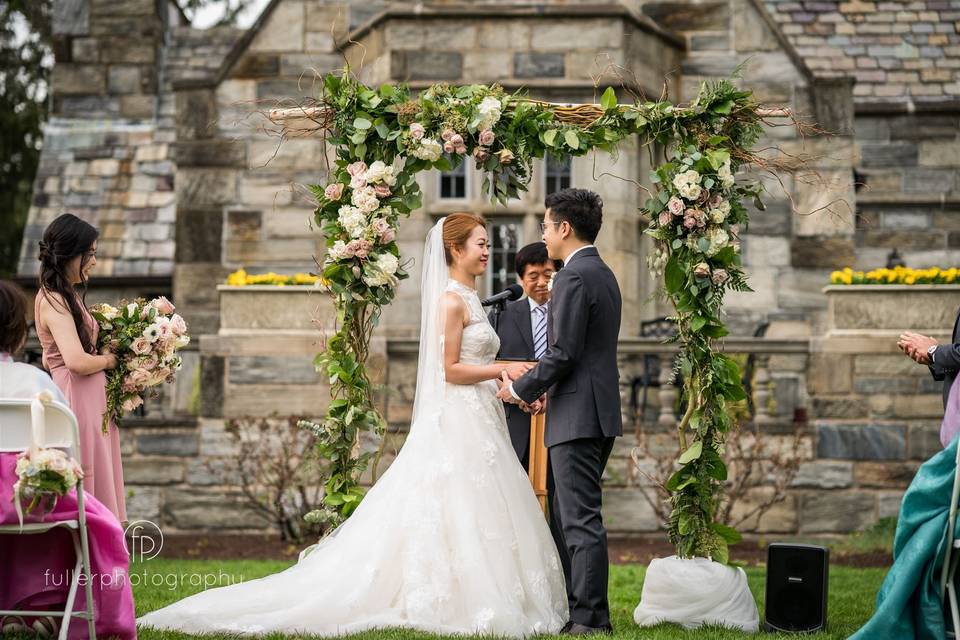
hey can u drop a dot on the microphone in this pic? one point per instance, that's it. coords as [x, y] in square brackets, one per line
[511, 293]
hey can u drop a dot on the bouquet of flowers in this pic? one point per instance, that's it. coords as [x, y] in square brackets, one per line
[43, 475]
[145, 337]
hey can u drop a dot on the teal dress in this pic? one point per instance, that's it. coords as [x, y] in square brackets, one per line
[909, 604]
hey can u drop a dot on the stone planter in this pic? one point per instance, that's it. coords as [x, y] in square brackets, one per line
[264, 307]
[891, 309]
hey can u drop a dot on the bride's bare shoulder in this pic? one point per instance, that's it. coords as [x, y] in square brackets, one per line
[454, 306]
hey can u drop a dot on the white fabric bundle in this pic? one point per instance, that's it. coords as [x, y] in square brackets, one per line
[696, 591]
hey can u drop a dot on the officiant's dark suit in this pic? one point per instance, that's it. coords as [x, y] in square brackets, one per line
[516, 330]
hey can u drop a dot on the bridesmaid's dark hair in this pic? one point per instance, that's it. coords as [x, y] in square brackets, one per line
[13, 317]
[63, 240]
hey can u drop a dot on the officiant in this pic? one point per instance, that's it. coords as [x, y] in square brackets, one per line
[523, 329]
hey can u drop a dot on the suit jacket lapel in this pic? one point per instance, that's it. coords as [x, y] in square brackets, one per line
[522, 319]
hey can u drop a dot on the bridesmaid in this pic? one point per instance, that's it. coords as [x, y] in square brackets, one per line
[68, 335]
[35, 570]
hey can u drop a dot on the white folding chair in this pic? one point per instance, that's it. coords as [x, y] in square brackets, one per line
[57, 429]
[948, 589]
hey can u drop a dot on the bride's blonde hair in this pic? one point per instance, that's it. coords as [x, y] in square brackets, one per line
[456, 231]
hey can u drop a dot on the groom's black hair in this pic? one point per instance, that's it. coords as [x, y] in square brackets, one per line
[581, 208]
[534, 253]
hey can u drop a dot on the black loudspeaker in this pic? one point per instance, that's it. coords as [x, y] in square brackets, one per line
[796, 593]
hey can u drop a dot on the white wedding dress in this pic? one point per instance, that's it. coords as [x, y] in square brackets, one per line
[450, 540]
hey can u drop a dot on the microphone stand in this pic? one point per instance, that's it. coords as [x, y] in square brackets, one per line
[495, 312]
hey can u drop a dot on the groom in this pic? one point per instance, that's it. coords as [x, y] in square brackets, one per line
[579, 375]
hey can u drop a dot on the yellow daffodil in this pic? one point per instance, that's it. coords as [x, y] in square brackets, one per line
[240, 278]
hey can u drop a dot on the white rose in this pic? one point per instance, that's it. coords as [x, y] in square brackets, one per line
[719, 213]
[726, 177]
[388, 263]
[429, 150]
[353, 220]
[338, 251]
[489, 110]
[690, 191]
[365, 200]
[376, 171]
[718, 240]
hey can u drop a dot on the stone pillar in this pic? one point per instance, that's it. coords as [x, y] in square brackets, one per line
[206, 180]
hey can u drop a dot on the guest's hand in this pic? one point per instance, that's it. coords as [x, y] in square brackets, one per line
[916, 345]
[504, 392]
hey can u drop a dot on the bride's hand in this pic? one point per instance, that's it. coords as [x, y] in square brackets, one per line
[517, 369]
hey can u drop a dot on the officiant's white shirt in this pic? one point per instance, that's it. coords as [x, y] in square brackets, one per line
[532, 304]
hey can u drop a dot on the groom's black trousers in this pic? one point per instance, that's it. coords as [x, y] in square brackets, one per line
[577, 525]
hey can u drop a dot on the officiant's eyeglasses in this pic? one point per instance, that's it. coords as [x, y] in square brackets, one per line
[543, 225]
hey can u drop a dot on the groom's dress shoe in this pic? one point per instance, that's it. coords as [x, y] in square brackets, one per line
[565, 628]
[583, 630]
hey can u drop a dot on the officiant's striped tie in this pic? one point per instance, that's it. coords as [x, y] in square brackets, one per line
[540, 335]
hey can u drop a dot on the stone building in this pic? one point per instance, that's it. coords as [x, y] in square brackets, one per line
[156, 137]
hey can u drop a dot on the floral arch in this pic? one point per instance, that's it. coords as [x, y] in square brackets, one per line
[384, 136]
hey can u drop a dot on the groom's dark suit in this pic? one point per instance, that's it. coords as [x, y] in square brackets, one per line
[946, 362]
[579, 374]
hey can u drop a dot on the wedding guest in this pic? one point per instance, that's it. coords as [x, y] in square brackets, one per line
[523, 330]
[68, 335]
[37, 568]
[18, 380]
[943, 360]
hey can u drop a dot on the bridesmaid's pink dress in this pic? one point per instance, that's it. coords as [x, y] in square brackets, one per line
[86, 395]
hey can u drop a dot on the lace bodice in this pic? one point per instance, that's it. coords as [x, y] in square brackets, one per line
[480, 343]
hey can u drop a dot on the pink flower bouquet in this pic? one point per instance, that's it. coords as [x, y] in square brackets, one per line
[145, 337]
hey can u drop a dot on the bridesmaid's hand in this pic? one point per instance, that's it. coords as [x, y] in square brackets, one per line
[111, 361]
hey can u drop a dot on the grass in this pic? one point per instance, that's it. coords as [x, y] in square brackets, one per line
[851, 596]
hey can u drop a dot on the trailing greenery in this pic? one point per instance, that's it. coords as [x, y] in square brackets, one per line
[695, 213]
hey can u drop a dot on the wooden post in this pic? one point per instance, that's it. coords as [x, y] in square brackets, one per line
[537, 468]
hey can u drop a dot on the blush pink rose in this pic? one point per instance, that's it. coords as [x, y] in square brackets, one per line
[140, 346]
[131, 403]
[480, 155]
[665, 218]
[382, 190]
[357, 168]
[360, 248]
[358, 182]
[139, 377]
[487, 137]
[417, 131]
[447, 135]
[333, 191]
[178, 324]
[675, 206]
[162, 305]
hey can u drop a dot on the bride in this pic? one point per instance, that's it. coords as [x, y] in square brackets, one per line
[451, 539]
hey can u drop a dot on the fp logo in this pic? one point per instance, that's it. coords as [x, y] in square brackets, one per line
[146, 540]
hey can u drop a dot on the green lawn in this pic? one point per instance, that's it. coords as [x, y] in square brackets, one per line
[852, 593]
